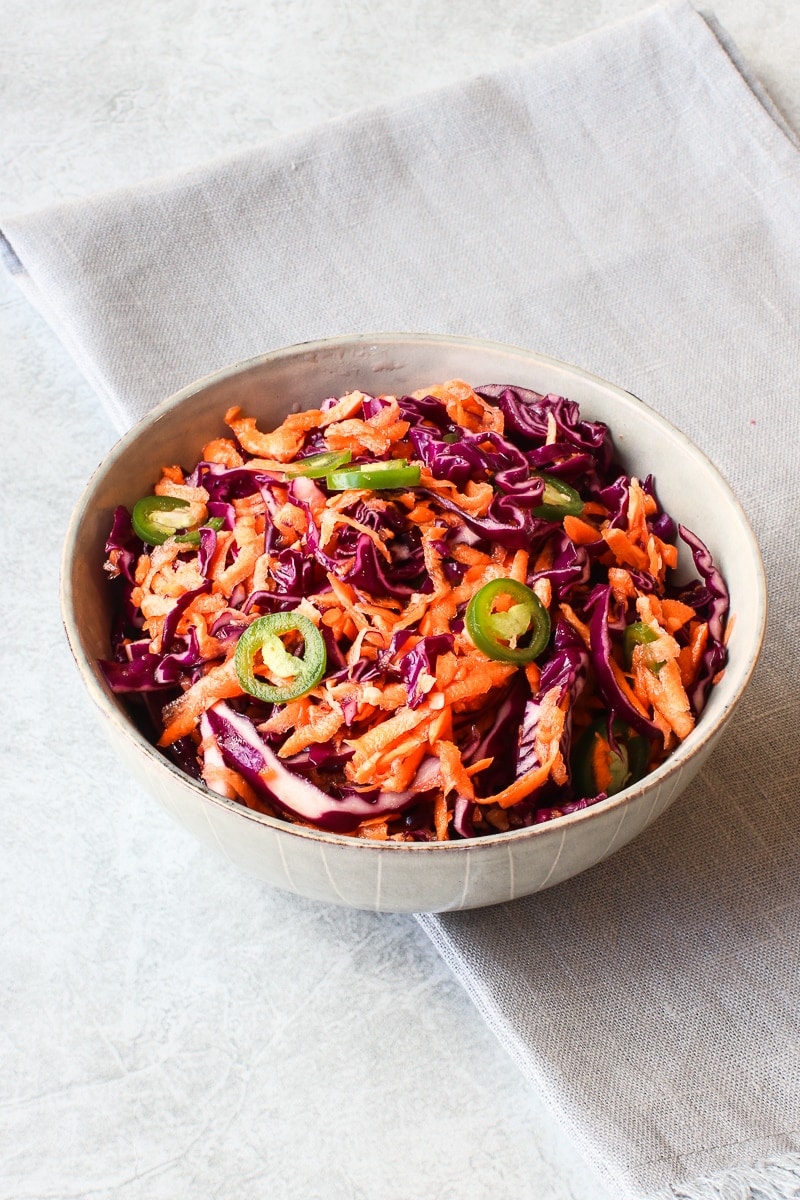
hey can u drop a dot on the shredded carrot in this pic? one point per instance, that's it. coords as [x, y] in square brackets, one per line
[667, 553]
[409, 706]
[181, 716]
[549, 734]
[173, 474]
[520, 789]
[348, 406]
[622, 584]
[580, 627]
[403, 767]
[675, 614]
[248, 551]
[664, 690]
[441, 817]
[544, 559]
[223, 451]
[474, 499]
[593, 508]
[454, 774]
[370, 745]
[474, 557]
[691, 656]
[294, 713]
[229, 783]
[464, 406]
[440, 615]
[637, 513]
[376, 830]
[481, 765]
[627, 690]
[579, 531]
[519, 566]
[283, 443]
[376, 434]
[483, 677]
[600, 752]
[441, 725]
[624, 549]
[543, 589]
[323, 724]
[533, 673]
[291, 521]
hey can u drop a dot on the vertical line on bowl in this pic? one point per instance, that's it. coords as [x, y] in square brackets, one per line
[331, 880]
[654, 806]
[554, 863]
[511, 881]
[614, 835]
[285, 865]
[676, 786]
[216, 836]
[463, 899]
[378, 884]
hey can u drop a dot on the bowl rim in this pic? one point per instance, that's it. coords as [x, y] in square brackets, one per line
[112, 710]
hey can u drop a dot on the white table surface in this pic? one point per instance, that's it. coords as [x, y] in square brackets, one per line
[169, 1027]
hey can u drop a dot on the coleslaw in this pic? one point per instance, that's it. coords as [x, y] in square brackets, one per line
[443, 615]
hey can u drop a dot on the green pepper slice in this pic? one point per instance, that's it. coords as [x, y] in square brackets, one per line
[155, 518]
[193, 536]
[318, 465]
[597, 766]
[559, 499]
[637, 634]
[498, 634]
[375, 476]
[262, 640]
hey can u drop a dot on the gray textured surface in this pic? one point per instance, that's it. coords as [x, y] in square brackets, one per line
[169, 1028]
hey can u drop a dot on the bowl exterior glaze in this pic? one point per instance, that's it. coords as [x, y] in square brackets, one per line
[390, 877]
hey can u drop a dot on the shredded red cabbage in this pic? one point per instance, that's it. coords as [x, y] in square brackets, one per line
[358, 562]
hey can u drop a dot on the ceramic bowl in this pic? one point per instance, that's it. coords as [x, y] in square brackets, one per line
[395, 877]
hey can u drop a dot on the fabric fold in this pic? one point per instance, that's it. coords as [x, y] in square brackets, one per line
[628, 202]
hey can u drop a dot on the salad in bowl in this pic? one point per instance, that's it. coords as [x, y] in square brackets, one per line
[419, 617]
[411, 622]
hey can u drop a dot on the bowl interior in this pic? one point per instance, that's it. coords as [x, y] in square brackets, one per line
[295, 378]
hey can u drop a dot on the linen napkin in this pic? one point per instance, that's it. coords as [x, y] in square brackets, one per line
[629, 202]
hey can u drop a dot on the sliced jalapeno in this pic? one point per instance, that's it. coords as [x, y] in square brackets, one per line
[600, 766]
[559, 499]
[637, 634]
[376, 476]
[318, 465]
[155, 518]
[261, 641]
[193, 536]
[516, 633]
